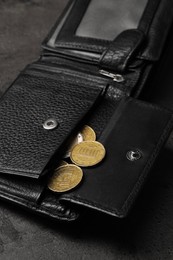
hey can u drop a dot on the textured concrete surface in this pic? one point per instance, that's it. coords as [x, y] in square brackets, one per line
[146, 234]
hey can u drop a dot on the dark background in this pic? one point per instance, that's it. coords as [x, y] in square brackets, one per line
[148, 231]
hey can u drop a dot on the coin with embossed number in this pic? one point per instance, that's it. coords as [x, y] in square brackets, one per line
[78, 139]
[65, 178]
[87, 153]
[88, 133]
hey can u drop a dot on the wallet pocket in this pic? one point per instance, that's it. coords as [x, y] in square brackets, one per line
[27, 148]
[133, 138]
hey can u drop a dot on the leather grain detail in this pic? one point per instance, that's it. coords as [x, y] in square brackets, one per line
[121, 50]
[113, 185]
[25, 146]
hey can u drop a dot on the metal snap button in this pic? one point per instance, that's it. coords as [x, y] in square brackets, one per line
[133, 155]
[50, 124]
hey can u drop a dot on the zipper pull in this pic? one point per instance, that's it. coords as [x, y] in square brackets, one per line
[116, 77]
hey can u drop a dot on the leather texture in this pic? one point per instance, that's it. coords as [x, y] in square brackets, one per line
[119, 54]
[26, 147]
[72, 90]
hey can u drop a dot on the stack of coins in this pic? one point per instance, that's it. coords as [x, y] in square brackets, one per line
[83, 151]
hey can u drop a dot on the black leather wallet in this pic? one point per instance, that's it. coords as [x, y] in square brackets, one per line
[94, 64]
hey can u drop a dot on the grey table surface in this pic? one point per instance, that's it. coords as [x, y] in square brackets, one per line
[148, 231]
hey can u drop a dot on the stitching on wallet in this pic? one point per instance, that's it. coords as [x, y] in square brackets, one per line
[90, 78]
[91, 38]
[94, 80]
[80, 46]
[95, 204]
[30, 205]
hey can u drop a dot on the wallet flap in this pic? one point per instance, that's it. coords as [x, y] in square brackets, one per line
[38, 113]
[133, 139]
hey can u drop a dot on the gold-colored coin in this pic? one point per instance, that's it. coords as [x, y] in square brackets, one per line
[87, 153]
[65, 178]
[88, 133]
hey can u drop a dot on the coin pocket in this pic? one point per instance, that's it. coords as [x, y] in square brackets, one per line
[132, 138]
[38, 114]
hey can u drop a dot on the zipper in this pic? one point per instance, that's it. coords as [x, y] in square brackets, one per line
[67, 70]
[116, 77]
[76, 64]
[95, 73]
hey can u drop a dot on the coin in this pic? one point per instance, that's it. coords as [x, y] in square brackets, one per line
[78, 139]
[88, 133]
[65, 178]
[87, 153]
